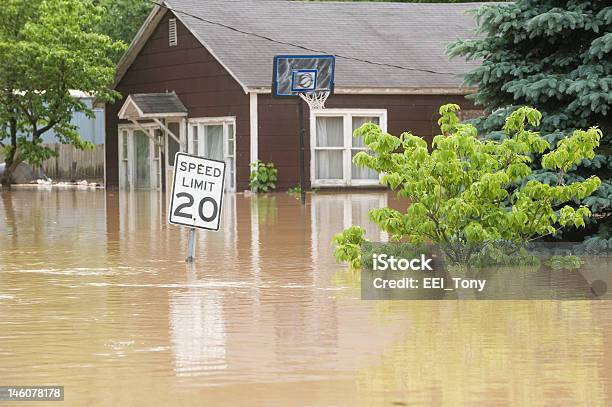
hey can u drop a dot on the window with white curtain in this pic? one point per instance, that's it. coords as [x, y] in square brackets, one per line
[333, 146]
[214, 138]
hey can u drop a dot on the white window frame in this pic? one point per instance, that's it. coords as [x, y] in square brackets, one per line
[347, 115]
[226, 122]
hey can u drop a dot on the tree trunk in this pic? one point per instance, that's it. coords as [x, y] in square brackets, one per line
[12, 160]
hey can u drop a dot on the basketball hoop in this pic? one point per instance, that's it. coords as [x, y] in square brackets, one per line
[316, 100]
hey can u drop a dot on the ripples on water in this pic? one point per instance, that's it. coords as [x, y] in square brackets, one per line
[95, 296]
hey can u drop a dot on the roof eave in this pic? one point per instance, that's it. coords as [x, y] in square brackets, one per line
[456, 90]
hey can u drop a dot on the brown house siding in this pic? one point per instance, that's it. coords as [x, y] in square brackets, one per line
[278, 124]
[204, 86]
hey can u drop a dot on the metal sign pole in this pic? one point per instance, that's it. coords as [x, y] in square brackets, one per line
[301, 152]
[191, 246]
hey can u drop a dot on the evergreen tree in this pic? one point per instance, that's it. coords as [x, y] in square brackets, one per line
[557, 57]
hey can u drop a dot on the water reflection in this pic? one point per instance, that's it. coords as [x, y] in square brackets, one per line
[95, 294]
[197, 329]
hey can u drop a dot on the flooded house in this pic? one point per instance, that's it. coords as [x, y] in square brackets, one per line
[197, 78]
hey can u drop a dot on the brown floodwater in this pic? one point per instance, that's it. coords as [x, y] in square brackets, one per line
[95, 296]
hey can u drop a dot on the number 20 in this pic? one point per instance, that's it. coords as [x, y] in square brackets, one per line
[179, 214]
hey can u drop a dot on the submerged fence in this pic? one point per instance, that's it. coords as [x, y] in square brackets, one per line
[72, 164]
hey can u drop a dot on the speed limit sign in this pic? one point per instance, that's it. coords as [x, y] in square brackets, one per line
[197, 192]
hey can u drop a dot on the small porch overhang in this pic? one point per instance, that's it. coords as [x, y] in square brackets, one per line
[148, 106]
[154, 107]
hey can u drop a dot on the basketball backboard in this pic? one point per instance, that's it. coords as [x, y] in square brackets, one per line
[300, 74]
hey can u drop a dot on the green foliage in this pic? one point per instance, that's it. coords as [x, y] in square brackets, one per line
[296, 191]
[122, 19]
[504, 254]
[468, 193]
[569, 262]
[49, 48]
[348, 246]
[557, 57]
[263, 177]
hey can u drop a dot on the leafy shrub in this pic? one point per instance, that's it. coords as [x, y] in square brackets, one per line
[468, 193]
[348, 247]
[263, 177]
[295, 191]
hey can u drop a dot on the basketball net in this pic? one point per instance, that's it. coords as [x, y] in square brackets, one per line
[316, 100]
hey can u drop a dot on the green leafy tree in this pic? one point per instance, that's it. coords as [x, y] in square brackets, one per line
[469, 193]
[49, 48]
[122, 19]
[555, 56]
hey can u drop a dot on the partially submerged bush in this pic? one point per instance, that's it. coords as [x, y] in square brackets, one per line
[468, 193]
[263, 177]
[296, 191]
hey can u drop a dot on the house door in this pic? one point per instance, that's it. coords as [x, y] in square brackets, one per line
[215, 139]
[140, 157]
[143, 163]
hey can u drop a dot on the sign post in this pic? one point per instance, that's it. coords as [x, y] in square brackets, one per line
[191, 246]
[197, 195]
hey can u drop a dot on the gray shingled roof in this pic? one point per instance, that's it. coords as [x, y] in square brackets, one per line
[406, 34]
[158, 103]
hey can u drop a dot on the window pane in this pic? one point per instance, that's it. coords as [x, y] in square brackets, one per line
[124, 141]
[157, 136]
[361, 172]
[328, 164]
[359, 121]
[194, 140]
[213, 145]
[330, 132]
[230, 148]
[230, 140]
